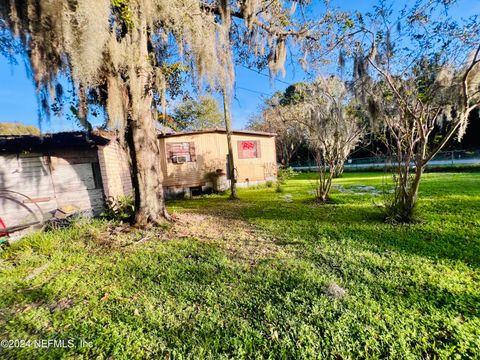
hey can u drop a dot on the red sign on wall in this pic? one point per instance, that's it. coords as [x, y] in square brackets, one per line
[248, 149]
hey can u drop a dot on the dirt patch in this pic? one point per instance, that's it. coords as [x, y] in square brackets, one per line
[61, 305]
[115, 235]
[37, 272]
[238, 238]
[286, 198]
[358, 189]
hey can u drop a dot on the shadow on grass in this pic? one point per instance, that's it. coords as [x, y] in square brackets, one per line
[333, 200]
[185, 298]
[362, 222]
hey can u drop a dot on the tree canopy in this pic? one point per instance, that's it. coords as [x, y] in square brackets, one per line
[123, 56]
[192, 114]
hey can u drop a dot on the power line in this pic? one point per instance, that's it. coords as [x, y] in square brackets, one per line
[253, 91]
[260, 73]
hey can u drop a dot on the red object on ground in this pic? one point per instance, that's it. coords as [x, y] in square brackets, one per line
[3, 226]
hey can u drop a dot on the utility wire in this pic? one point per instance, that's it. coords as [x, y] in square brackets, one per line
[253, 91]
[260, 73]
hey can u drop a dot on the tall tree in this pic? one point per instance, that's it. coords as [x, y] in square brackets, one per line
[281, 120]
[192, 114]
[333, 128]
[113, 53]
[419, 74]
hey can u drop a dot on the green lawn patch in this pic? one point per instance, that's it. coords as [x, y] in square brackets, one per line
[270, 276]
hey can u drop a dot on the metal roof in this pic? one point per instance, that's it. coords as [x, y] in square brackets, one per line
[62, 140]
[218, 131]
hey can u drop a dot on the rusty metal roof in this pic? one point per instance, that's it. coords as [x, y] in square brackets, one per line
[62, 140]
[218, 131]
[79, 139]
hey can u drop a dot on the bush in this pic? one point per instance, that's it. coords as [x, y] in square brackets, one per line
[282, 177]
[398, 209]
[119, 209]
[285, 174]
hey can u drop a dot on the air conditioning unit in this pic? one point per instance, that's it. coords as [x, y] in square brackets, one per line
[179, 159]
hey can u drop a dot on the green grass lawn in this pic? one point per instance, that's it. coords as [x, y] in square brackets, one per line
[251, 279]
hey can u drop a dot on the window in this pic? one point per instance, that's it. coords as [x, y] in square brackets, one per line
[248, 149]
[181, 152]
[97, 175]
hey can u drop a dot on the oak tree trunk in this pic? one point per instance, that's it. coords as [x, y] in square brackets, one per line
[147, 176]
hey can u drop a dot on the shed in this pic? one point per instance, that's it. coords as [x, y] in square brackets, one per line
[39, 174]
[189, 158]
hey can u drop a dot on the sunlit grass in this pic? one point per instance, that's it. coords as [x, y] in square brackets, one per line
[412, 291]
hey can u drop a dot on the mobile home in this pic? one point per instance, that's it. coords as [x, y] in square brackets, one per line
[189, 158]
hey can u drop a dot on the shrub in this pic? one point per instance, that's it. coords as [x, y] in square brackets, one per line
[283, 175]
[398, 209]
[120, 209]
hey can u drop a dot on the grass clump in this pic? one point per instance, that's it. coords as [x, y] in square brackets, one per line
[121, 208]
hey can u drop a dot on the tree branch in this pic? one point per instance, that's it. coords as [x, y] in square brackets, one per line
[465, 78]
[300, 33]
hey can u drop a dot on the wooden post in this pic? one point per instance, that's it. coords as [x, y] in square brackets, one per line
[228, 128]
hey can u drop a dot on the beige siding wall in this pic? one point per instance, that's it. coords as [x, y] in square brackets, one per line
[115, 169]
[255, 169]
[211, 154]
[209, 157]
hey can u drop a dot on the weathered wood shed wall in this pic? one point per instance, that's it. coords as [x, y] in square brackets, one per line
[56, 171]
[210, 153]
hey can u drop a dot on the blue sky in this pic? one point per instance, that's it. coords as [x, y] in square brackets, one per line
[18, 102]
